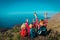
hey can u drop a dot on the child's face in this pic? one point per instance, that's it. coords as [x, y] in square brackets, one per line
[41, 23]
[30, 25]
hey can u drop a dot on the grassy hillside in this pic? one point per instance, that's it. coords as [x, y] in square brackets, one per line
[13, 34]
[54, 23]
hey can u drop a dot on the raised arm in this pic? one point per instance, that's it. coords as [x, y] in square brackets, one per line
[35, 15]
[45, 15]
[26, 20]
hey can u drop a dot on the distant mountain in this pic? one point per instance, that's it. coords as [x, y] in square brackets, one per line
[54, 23]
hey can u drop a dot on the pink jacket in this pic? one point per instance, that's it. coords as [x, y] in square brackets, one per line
[38, 26]
[36, 22]
[28, 28]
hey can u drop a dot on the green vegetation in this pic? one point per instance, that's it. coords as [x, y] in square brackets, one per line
[13, 34]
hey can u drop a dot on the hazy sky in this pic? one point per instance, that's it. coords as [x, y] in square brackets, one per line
[29, 6]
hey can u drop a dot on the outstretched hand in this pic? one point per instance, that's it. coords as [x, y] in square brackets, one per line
[26, 20]
[35, 15]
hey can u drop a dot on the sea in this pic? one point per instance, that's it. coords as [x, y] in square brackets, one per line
[9, 21]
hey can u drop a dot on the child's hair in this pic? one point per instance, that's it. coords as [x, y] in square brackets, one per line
[23, 25]
[35, 14]
[41, 20]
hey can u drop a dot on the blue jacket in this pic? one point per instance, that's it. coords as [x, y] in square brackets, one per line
[32, 33]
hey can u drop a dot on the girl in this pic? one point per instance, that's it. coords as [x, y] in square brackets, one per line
[32, 31]
[36, 23]
[39, 28]
[23, 31]
[42, 30]
[27, 27]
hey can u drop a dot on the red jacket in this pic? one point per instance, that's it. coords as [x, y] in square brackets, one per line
[23, 32]
[28, 28]
[36, 22]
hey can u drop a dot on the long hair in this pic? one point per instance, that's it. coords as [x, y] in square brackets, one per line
[23, 25]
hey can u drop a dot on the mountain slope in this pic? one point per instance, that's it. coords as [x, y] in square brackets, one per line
[54, 23]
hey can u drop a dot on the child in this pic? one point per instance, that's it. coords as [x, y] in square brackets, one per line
[32, 31]
[42, 29]
[46, 19]
[27, 27]
[23, 31]
[36, 23]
